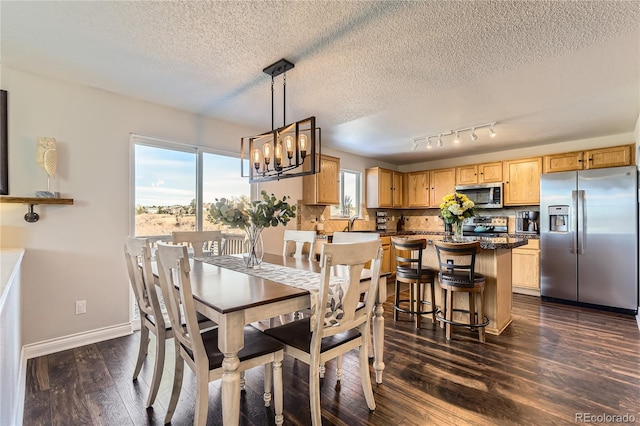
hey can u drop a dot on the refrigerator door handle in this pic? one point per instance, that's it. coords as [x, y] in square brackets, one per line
[581, 223]
[573, 214]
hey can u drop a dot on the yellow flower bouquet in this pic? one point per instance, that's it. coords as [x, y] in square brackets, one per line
[455, 208]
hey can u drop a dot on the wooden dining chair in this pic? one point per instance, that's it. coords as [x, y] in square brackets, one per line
[199, 350]
[204, 243]
[299, 240]
[137, 252]
[315, 345]
[232, 243]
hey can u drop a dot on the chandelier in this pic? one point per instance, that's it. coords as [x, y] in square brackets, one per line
[285, 152]
[457, 132]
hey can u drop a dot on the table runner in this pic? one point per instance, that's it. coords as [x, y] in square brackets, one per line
[293, 277]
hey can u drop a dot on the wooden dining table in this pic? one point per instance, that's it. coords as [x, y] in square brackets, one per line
[235, 298]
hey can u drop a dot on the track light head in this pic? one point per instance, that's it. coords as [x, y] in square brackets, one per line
[440, 141]
[492, 131]
[457, 139]
[414, 144]
[428, 143]
[474, 137]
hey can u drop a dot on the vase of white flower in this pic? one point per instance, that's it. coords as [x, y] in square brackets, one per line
[454, 209]
[252, 217]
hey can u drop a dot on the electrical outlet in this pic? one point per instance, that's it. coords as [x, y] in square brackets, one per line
[81, 307]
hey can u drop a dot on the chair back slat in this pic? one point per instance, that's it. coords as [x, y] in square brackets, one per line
[299, 240]
[174, 272]
[453, 257]
[203, 242]
[137, 253]
[351, 257]
[232, 244]
[408, 253]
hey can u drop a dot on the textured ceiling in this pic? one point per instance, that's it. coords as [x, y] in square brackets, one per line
[376, 74]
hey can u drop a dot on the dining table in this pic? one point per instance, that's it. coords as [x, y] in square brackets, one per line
[235, 296]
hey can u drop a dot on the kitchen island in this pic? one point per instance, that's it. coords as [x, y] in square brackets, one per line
[493, 261]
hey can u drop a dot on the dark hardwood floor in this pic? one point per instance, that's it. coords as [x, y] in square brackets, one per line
[554, 361]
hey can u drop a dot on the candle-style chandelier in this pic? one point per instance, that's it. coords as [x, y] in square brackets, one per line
[286, 152]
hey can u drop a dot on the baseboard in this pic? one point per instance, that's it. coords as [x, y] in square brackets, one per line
[525, 290]
[22, 382]
[47, 347]
[638, 318]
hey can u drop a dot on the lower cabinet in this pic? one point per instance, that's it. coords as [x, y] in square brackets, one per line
[386, 256]
[525, 268]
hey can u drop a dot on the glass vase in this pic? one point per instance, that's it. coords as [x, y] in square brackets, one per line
[457, 231]
[253, 247]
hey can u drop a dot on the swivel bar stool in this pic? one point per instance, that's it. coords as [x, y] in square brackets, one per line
[457, 274]
[409, 270]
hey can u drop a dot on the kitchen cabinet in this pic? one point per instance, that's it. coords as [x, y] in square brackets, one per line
[417, 189]
[323, 188]
[386, 265]
[522, 181]
[385, 188]
[443, 182]
[525, 268]
[479, 173]
[616, 156]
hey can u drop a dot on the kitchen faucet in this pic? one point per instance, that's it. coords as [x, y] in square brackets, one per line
[352, 219]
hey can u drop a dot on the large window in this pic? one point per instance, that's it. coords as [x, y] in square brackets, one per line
[175, 184]
[350, 197]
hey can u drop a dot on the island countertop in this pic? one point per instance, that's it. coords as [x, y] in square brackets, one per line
[509, 241]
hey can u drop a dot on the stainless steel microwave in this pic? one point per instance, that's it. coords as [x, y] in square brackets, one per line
[484, 195]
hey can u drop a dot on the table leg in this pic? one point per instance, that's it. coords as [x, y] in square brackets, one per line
[378, 330]
[230, 342]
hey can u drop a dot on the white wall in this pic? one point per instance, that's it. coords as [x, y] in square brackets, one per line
[75, 252]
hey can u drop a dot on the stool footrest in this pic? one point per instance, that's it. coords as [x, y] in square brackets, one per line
[409, 311]
[439, 317]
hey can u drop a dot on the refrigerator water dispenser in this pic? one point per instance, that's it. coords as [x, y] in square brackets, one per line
[559, 218]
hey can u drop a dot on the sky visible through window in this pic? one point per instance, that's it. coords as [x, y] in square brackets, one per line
[168, 177]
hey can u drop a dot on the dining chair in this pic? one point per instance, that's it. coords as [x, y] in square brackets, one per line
[300, 240]
[204, 243]
[153, 318]
[232, 243]
[313, 342]
[457, 275]
[199, 350]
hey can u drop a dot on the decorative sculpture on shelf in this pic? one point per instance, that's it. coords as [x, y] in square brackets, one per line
[47, 158]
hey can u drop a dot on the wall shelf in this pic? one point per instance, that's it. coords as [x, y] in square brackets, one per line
[32, 216]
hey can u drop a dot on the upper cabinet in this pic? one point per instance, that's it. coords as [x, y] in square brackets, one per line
[615, 156]
[385, 188]
[417, 189]
[479, 173]
[443, 182]
[522, 181]
[323, 188]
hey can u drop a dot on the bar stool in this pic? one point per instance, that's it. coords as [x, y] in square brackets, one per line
[409, 270]
[457, 274]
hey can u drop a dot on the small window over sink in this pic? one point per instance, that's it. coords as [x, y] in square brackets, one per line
[350, 195]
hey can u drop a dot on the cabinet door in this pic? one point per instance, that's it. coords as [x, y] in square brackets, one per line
[467, 175]
[417, 189]
[385, 265]
[565, 162]
[327, 181]
[322, 188]
[522, 185]
[398, 189]
[490, 172]
[609, 157]
[443, 182]
[385, 188]
[525, 268]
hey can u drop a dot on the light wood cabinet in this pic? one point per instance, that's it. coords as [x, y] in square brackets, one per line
[616, 156]
[490, 172]
[323, 188]
[385, 266]
[522, 181]
[467, 175]
[385, 188]
[417, 189]
[443, 182]
[525, 268]
[479, 173]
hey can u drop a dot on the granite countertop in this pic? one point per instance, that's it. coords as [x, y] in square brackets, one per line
[503, 241]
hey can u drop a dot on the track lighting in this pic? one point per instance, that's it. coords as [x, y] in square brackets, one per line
[473, 135]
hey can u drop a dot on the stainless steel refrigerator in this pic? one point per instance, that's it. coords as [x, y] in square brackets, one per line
[589, 237]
